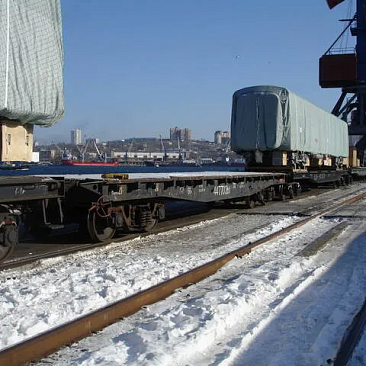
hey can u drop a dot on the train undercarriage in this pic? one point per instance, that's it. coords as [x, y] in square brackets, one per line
[116, 205]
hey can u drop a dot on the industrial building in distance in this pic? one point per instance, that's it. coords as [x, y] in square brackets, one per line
[183, 135]
[76, 138]
[178, 148]
[222, 138]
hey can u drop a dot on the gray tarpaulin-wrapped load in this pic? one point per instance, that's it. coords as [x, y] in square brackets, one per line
[31, 61]
[268, 118]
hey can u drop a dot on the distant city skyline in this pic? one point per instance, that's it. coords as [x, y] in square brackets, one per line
[76, 136]
[183, 134]
[136, 69]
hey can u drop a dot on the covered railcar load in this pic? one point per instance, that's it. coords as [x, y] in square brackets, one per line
[31, 73]
[273, 127]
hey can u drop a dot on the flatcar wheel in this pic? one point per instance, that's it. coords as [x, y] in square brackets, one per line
[269, 194]
[291, 192]
[146, 218]
[260, 198]
[250, 202]
[151, 224]
[100, 228]
[10, 240]
[281, 194]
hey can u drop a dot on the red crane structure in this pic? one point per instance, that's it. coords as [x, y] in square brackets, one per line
[346, 69]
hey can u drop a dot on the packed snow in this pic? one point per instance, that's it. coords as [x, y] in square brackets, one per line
[359, 355]
[273, 307]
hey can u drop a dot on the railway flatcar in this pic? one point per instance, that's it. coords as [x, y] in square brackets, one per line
[118, 204]
[273, 127]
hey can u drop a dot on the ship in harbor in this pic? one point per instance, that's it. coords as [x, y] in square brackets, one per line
[70, 162]
[174, 163]
[242, 163]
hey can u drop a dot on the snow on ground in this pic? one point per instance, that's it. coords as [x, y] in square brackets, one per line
[59, 289]
[359, 355]
[311, 204]
[272, 307]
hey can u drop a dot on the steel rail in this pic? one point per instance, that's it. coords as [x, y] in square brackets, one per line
[73, 248]
[52, 340]
[18, 262]
[15, 262]
[352, 337]
[193, 216]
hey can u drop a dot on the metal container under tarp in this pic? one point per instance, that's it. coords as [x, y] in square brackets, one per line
[267, 118]
[31, 61]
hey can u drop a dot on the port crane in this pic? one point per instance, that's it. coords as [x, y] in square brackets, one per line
[64, 153]
[129, 149]
[346, 69]
[227, 147]
[81, 153]
[180, 157]
[93, 142]
[163, 150]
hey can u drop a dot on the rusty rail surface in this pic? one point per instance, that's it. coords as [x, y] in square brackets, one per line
[18, 262]
[52, 340]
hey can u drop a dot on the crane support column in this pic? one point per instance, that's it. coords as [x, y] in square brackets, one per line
[361, 41]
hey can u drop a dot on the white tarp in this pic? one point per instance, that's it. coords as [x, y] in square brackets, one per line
[31, 61]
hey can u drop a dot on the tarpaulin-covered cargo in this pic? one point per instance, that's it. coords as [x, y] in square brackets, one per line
[268, 118]
[31, 61]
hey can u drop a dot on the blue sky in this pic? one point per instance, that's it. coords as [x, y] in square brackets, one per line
[139, 67]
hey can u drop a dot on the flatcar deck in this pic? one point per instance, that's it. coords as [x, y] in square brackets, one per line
[121, 203]
[200, 187]
[27, 188]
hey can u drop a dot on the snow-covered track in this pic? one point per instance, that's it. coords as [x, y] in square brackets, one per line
[186, 216]
[48, 342]
[18, 262]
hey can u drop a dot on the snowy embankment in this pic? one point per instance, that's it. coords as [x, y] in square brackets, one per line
[359, 355]
[60, 289]
[271, 307]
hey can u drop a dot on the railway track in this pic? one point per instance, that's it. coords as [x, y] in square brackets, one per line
[48, 342]
[28, 253]
[68, 244]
